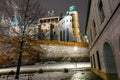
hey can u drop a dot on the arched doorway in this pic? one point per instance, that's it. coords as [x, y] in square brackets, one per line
[109, 58]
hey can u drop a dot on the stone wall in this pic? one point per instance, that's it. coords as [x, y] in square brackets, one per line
[55, 51]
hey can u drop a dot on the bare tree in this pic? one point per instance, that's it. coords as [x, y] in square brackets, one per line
[24, 13]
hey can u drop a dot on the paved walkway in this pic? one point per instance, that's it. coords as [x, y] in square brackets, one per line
[74, 75]
[75, 72]
[86, 75]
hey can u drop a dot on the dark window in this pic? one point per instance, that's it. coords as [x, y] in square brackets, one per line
[41, 21]
[91, 61]
[54, 33]
[94, 61]
[64, 35]
[73, 21]
[98, 60]
[119, 43]
[52, 20]
[56, 19]
[91, 39]
[94, 25]
[45, 21]
[101, 12]
[60, 35]
[68, 34]
[48, 20]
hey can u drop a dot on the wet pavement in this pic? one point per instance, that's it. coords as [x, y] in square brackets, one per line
[86, 75]
[72, 75]
[57, 71]
[76, 75]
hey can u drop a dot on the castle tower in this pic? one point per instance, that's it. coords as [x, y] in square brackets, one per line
[75, 23]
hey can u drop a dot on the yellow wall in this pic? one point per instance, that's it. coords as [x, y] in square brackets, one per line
[62, 43]
[105, 76]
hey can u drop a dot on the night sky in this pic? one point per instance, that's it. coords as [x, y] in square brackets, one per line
[61, 6]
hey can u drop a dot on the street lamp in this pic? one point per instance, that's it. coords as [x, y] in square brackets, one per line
[75, 48]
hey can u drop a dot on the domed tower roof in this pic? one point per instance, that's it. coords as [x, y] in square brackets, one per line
[72, 8]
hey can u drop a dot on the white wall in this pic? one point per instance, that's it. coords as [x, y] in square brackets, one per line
[64, 24]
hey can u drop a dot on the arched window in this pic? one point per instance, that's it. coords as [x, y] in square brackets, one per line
[109, 58]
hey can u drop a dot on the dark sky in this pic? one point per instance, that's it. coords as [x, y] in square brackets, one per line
[61, 6]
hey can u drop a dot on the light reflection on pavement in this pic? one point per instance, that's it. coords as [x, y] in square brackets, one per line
[48, 66]
[71, 75]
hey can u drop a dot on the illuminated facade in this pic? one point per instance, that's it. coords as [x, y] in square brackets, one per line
[68, 27]
[64, 29]
[47, 28]
[75, 24]
[103, 31]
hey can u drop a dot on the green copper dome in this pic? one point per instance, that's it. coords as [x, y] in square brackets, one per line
[72, 8]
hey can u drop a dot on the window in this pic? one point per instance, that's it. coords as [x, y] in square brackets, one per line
[41, 21]
[45, 21]
[48, 20]
[66, 20]
[94, 61]
[91, 36]
[94, 25]
[54, 33]
[98, 60]
[101, 12]
[68, 34]
[73, 21]
[91, 61]
[109, 58]
[52, 20]
[56, 19]
[64, 35]
[119, 43]
[60, 35]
